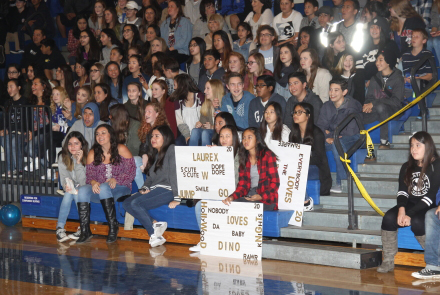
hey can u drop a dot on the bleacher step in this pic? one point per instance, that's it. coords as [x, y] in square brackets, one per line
[323, 255]
[404, 138]
[375, 186]
[376, 175]
[432, 125]
[333, 234]
[393, 168]
[384, 202]
[367, 220]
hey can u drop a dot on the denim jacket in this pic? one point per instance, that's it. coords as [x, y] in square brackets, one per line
[183, 34]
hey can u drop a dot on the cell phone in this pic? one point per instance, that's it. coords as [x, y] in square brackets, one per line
[64, 107]
[141, 77]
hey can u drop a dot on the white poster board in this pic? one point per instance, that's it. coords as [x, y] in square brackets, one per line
[205, 172]
[234, 231]
[293, 169]
[231, 276]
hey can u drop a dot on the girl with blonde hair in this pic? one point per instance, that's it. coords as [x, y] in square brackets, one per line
[255, 68]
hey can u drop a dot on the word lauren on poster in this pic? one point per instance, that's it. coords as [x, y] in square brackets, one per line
[205, 172]
[234, 231]
[293, 169]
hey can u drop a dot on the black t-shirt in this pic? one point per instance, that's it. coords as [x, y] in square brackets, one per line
[53, 61]
[425, 196]
[32, 55]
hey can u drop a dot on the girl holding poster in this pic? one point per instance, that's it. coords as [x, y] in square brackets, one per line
[258, 176]
[304, 131]
[160, 188]
[272, 127]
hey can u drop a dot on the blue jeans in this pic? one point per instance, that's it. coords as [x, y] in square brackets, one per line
[181, 141]
[139, 178]
[432, 45]
[139, 204]
[312, 175]
[201, 137]
[17, 149]
[432, 242]
[65, 208]
[85, 193]
[346, 142]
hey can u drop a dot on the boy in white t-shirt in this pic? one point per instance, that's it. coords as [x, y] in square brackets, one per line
[287, 23]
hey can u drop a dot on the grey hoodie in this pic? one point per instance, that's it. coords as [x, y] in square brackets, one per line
[77, 175]
[310, 98]
[330, 117]
[394, 84]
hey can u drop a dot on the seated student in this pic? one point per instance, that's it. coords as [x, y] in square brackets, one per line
[59, 122]
[255, 68]
[126, 131]
[215, 23]
[211, 61]
[418, 186]
[201, 135]
[410, 58]
[267, 39]
[237, 101]
[188, 102]
[64, 75]
[130, 37]
[332, 113]
[117, 56]
[304, 131]
[96, 19]
[349, 11]
[131, 9]
[206, 9]
[74, 108]
[171, 69]
[236, 64]
[88, 123]
[305, 39]
[384, 95]
[32, 52]
[159, 91]
[15, 20]
[176, 30]
[265, 94]
[272, 127]
[258, 176]
[38, 16]
[335, 50]
[194, 65]
[111, 21]
[228, 136]
[220, 120]
[310, 9]
[317, 77]
[73, 40]
[160, 187]
[135, 68]
[109, 40]
[192, 10]
[260, 15]
[223, 46]
[346, 69]
[110, 171]
[72, 8]
[114, 78]
[96, 76]
[71, 165]
[244, 41]
[287, 64]
[104, 100]
[300, 93]
[135, 105]
[287, 23]
[88, 48]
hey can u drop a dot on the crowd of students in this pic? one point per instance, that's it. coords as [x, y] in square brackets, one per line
[144, 76]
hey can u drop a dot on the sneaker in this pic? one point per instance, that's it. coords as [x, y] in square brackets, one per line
[60, 192]
[30, 167]
[61, 235]
[426, 274]
[75, 236]
[19, 51]
[195, 248]
[385, 146]
[309, 205]
[156, 241]
[49, 175]
[336, 189]
[159, 228]
[370, 159]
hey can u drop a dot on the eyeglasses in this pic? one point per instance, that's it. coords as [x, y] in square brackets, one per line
[94, 71]
[266, 35]
[260, 85]
[13, 73]
[298, 113]
[193, 45]
[251, 63]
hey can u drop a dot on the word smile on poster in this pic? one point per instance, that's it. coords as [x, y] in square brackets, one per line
[205, 172]
[234, 231]
[293, 169]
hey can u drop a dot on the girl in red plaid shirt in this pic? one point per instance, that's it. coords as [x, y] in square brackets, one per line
[258, 173]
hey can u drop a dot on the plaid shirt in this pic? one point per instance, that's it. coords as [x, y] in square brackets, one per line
[268, 183]
[423, 7]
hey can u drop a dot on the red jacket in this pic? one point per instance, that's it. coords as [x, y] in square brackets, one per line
[268, 183]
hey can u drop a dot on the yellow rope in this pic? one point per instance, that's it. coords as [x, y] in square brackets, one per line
[370, 146]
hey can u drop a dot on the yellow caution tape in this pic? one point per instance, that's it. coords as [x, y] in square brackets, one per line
[360, 186]
[370, 146]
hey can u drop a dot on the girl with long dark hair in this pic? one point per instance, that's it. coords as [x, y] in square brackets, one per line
[73, 41]
[220, 120]
[258, 176]
[418, 186]
[137, 74]
[72, 169]
[305, 38]
[272, 127]
[109, 40]
[222, 46]
[287, 63]
[334, 51]
[194, 64]
[64, 75]
[88, 48]
[114, 78]
[135, 104]
[104, 100]
[110, 171]
[82, 69]
[304, 131]
[151, 16]
[160, 188]
[131, 37]
[245, 38]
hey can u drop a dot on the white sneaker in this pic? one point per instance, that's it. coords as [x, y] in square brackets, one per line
[156, 241]
[60, 192]
[159, 228]
[30, 167]
[310, 206]
[336, 189]
[61, 235]
[75, 236]
[49, 175]
[195, 248]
